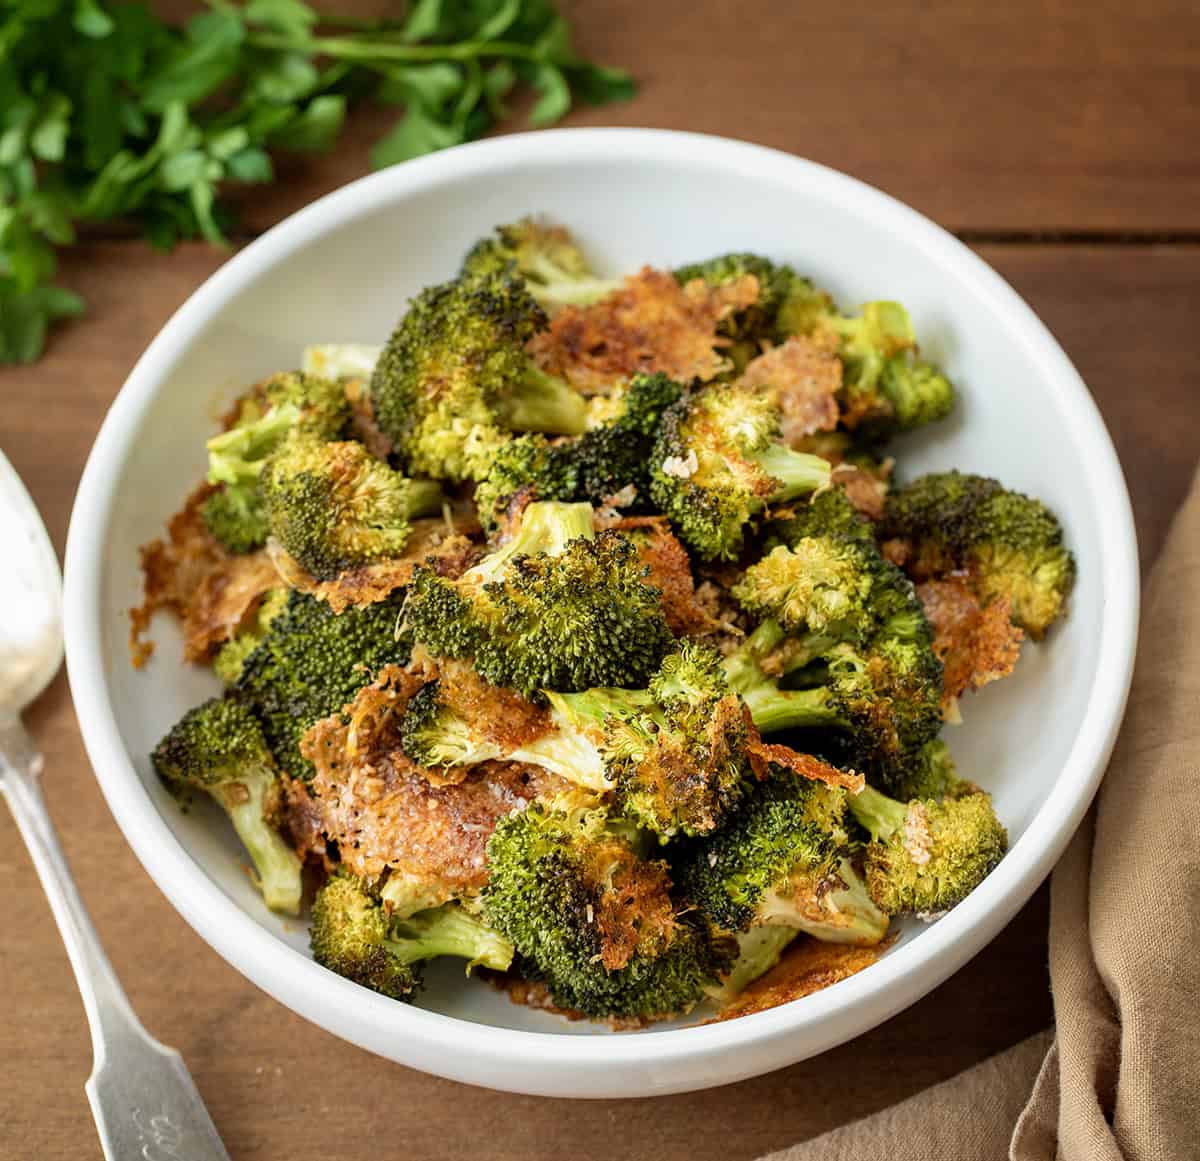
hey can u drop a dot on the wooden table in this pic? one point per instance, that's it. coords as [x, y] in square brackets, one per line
[1058, 139]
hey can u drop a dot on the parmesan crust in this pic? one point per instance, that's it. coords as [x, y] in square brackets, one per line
[807, 966]
[649, 324]
[385, 811]
[802, 376]
[977, 644]
[670, 571]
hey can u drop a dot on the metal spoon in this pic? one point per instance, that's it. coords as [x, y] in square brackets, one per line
[143, 1098]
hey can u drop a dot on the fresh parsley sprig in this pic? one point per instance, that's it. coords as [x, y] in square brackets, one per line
[107, 113]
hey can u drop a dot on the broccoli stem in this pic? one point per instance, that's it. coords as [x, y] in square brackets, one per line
[878, 814]
[237, 456]
[759, 950]
[278, 867]
[561, 291]
[570, 753]
[772, 708]
[449, 930]
[744, 666]
[547, 526]
[540, 402]
[406, 894]
[847, 913]
[573, 752]
[796, 472]
[424, 498]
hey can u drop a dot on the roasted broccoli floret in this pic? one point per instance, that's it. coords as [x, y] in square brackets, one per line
[928, 772]
[925, 856]
[679, 752]
[230, 658]
[234, 515]
[877, 704]
[833, 588]
[612, 456]
[717, 463]
[787, 303]
[886, 389]
[219, 748]
[354, 935]
[333, 506]
[311, 662]
[527, 467]
[281, 404]
[615, 452]
[454, 380]
[436, 736]
[782, 860]
[827, 513]
[546, 257]
[557, 607]
[1008, 544]
[594, 921]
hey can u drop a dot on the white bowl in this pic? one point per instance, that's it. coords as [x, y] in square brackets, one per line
[341, 271]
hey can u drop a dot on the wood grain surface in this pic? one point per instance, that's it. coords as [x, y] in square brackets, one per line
[1033, 115]
[1027, 118]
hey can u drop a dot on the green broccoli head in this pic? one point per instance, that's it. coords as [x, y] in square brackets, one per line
[557, 607]
[913, 393]
[926, 856]
[219, 748]
[825, 513]
[716, 464]
[592, 920]
[594, 467]
[311, 662]
[926, 772]
[354, 934]
[1010, 545]
[234, 514]
[781, 860]
[334, 506]
[435, 737]
[876, 704]
[821, 585]
[787, 303]
[230, 658]
[351, 935]
[454, 379]
[833, 588]
[528, 466]
[679, 752]
[553, 267]
[284, 403]
[615, 453]
[885, 388]
[889, 697]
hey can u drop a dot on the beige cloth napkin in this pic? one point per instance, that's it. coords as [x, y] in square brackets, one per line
[1120, 1077]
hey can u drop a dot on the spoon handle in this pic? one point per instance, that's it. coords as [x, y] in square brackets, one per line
[143, 1098]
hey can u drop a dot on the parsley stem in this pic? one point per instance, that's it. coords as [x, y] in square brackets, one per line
[352, 48]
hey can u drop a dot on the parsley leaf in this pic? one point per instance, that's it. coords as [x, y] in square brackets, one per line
[107, 112]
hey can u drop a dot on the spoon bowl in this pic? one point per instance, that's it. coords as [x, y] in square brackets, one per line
[31, 637]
